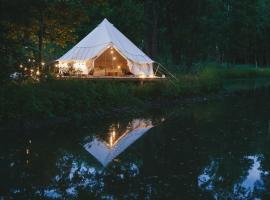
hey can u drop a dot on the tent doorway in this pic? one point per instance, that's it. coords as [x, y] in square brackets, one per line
[110, 63]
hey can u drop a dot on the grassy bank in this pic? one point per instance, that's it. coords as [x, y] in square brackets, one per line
[232, 72]
[82, 98]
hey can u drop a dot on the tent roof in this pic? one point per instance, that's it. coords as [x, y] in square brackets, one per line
[103, 36]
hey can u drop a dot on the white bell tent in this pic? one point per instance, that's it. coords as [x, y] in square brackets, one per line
[106, 52]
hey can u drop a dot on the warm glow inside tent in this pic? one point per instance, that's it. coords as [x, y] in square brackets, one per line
[106, 52]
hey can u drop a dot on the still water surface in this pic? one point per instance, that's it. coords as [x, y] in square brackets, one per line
[218, 149]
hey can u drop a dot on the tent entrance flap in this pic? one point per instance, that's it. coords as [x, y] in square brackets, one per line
[110, 63]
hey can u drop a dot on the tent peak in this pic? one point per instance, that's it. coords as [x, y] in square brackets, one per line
[97, 40]
[105, 21]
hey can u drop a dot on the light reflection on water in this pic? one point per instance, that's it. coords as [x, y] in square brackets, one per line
[254, 174]
[211, 150]
[105, 150]
[244, 188]
[82, 176]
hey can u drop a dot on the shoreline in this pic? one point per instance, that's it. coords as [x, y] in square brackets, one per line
[55, 107]
[58, 122]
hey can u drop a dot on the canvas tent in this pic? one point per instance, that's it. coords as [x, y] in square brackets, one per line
[106, 52]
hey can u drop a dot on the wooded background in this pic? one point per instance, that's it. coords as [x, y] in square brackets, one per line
[175, 33]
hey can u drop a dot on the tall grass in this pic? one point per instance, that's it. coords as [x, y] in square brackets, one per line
[69, 98]
[237, 71]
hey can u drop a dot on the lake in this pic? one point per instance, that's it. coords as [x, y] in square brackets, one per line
[213, 149]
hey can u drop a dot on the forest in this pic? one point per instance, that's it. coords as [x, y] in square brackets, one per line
[202, 133]
[202, 42]
[178, 34]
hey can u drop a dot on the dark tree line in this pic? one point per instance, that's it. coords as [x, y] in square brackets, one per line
[173, 32]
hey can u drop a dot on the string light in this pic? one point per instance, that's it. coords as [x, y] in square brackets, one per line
[21, 66]
[118, 67]
[25, 69]
[37, 73]
[42, 63]
[31, 70]
[27, 151]
[29, 60]
[112, 52]
[114, 58]
[111, 141]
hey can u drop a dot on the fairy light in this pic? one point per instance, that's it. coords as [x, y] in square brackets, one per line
[118, 67]
[37, 73]
[25, 69]
[42, 63]
[29, 60]
[114, 58]
[111, 141]
[21, 66]
[27, 151]
[112, 51]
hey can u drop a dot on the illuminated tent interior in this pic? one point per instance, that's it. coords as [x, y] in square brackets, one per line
[110, 63]
[106, 52]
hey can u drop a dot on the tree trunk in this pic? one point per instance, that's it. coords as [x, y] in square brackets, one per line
[147, 5]
[40, 38]
[154, 32]
[151, 27]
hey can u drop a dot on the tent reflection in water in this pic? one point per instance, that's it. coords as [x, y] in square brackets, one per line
[105, 150]
[106, 52]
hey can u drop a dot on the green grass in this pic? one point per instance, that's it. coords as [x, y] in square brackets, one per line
[237, 71]
[79, 98]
